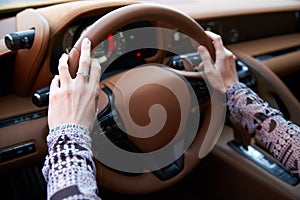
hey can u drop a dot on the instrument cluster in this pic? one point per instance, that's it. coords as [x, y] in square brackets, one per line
[121, 49]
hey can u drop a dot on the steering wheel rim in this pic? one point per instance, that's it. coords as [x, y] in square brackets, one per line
[207, 135]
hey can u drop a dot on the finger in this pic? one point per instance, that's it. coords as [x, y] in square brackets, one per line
[63, 70]
[95, 73]
[187, 63]
[54, 86]
[218, 44]
[230, 54]
[217, 40]
[200, 67]
[232, 58]
[206, 59]
[84, 60]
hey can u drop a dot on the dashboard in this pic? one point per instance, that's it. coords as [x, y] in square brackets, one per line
[121, 50]
[255, 26]
[129, 46]
[119, 44]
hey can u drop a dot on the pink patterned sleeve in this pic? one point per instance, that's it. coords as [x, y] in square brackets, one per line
[69, 169]
[280, 136]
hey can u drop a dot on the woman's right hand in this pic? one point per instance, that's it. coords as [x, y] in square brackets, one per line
[222, 73]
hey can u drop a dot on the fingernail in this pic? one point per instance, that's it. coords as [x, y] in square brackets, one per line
[65, 55]
[200, 48]
[64, 58]
[86, 41]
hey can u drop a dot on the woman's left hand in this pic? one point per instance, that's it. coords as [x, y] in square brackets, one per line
[74, 101]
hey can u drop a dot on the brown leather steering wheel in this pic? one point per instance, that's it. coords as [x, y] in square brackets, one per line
[207, 134]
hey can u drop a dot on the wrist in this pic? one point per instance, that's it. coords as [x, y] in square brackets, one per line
[67, 126]
[75, 132]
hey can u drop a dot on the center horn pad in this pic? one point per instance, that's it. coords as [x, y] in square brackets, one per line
[153, 103]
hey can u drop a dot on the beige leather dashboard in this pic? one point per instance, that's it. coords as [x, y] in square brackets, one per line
[281, 65]
[206, 9]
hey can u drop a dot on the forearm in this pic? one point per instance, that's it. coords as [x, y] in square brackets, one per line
[247, 108]
[69, 168]
[281, 137]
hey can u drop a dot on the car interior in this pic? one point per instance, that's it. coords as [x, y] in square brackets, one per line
[156, 39]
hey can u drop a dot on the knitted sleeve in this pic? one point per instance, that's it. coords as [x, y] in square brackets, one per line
[69, 169]
[280, 136]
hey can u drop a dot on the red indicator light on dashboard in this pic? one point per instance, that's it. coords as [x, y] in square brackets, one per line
[138, 54]
[111, 42]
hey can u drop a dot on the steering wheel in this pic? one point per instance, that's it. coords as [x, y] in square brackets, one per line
[140, 101]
